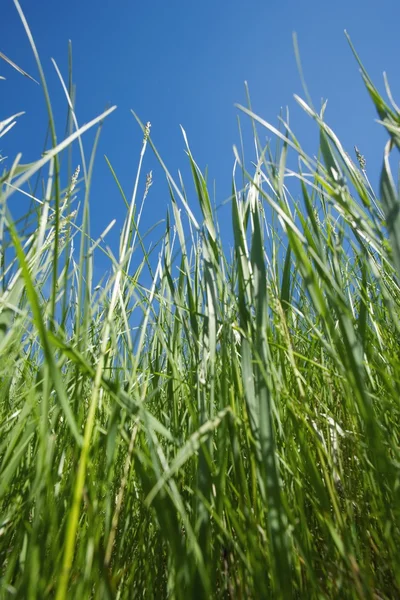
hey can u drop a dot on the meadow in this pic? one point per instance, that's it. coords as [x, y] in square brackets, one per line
[230, 430]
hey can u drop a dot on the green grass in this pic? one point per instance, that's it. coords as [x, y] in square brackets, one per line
[243, 441]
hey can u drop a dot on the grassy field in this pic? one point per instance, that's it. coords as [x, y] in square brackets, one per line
[243, 441]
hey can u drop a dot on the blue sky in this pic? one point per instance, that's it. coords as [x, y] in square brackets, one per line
[184, 62]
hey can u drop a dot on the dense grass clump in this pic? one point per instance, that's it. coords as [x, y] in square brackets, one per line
[243, 441]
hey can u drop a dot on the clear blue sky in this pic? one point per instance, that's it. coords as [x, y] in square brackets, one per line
[184, 62]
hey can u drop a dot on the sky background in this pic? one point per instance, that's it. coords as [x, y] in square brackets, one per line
[184, 62]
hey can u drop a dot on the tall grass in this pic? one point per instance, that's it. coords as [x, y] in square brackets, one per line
[243, 442]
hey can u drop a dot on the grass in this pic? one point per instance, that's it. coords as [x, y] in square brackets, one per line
[243, 442]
